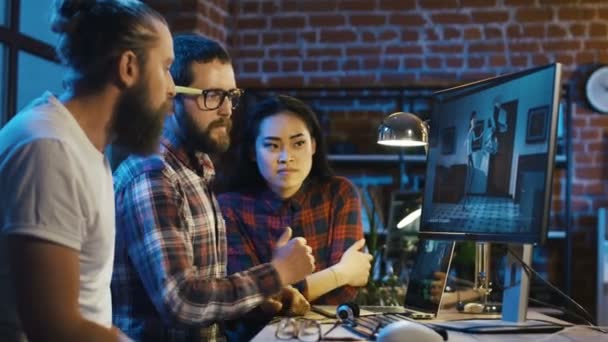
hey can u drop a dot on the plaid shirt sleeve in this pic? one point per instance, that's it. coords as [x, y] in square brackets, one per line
[346, 230]
[157, 239]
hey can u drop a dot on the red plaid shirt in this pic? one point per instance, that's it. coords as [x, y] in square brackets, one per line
[327, 215]
[169, 280]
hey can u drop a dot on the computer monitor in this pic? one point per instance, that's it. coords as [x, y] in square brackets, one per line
[490, 158]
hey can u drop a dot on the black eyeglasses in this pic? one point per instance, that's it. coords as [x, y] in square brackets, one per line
[210, 99]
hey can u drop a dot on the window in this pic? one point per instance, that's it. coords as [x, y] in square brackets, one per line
[3, 13]
[27, 58]
[35, 20]
[36, 75]
[3, 80]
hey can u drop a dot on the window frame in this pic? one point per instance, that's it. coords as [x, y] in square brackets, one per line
[14, 42]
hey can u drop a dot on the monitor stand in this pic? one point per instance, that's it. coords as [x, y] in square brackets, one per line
[515, 302]
[516, 285]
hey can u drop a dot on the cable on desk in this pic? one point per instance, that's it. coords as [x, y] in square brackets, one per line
[562, 309]
[497, 329]
[543, 303]
[530, 270]
[573, 327]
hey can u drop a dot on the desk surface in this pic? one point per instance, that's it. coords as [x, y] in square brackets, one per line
[570, 334]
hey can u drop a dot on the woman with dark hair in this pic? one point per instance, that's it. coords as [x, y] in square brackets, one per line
[282, 179]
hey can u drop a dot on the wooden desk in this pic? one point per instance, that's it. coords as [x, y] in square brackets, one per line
[574, 333]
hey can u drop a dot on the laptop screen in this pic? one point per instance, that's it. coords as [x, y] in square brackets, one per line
[428, 275]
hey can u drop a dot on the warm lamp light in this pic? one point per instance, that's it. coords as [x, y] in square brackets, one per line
[409, 218]
[403, 129]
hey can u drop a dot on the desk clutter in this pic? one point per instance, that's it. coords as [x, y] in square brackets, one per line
[449, 326]
[396, 326]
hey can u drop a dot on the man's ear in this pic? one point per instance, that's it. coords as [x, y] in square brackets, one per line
[129, 69]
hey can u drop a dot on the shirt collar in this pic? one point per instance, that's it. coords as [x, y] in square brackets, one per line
[277, 204]
[173, 140]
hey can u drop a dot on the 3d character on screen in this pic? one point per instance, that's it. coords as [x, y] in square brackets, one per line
[471, 139]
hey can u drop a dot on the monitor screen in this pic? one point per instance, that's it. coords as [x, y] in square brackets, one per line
[490, 158]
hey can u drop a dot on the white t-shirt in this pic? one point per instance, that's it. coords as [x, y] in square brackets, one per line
[55, 185]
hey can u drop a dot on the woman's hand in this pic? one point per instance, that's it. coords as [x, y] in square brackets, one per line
[354, 266]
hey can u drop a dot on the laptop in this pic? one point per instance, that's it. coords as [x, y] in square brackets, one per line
[424, 288]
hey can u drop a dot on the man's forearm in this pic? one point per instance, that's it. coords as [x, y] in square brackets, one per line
[82, 330]
[197, 301]
[47, 300]
[92, 332]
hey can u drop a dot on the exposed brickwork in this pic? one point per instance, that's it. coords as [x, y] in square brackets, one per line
[496, 38]
[208, 17]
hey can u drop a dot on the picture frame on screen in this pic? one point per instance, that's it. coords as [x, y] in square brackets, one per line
[536, 131]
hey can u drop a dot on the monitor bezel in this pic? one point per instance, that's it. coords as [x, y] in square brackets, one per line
[539, 237]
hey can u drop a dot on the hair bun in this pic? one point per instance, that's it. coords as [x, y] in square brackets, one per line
[67, 14]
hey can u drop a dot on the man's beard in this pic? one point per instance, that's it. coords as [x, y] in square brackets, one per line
[202, 140]
[136, 125]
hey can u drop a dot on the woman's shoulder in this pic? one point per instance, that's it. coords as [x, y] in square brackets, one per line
[338, 184]
[341, 181]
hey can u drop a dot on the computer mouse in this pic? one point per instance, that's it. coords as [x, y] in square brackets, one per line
[408, 331]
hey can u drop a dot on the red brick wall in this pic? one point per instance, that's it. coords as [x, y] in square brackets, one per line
[361, 42]
[301, 43]
[208, 17]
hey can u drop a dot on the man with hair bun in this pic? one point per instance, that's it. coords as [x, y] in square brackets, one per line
[57, 221]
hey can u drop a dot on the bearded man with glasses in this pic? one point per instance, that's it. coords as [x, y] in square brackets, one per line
[170, 280]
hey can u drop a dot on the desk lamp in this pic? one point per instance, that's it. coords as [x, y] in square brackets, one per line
[403, 129]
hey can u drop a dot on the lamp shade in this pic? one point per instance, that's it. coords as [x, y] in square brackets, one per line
[403, 129]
